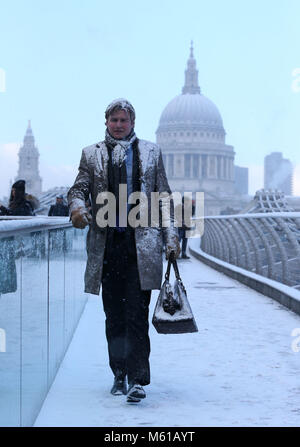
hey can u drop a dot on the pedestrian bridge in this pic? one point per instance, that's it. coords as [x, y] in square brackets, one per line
[240, 369]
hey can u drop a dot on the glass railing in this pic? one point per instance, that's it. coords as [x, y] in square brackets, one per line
[42, 262]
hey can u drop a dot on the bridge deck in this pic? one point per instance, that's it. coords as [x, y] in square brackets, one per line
[238, 370]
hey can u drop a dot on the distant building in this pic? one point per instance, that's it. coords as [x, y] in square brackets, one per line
[240, 180]
[192, 138]
[278, 173]
[29, 164]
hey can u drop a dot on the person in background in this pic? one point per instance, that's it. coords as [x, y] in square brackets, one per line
[59, 209]
[186, 225]
[18, 203]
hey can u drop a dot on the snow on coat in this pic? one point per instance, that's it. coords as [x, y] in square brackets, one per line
[92, 179]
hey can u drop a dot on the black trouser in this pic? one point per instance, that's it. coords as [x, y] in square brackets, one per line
[127, 308]
[181, 233]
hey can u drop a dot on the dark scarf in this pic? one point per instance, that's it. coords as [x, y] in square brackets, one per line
[117, 175]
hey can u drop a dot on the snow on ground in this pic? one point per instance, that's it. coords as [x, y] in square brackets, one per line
[238, 370]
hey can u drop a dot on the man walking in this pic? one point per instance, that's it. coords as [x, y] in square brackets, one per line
[59, 209]
[125, 260]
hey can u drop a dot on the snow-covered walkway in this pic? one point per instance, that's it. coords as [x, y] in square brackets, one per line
[238, 370]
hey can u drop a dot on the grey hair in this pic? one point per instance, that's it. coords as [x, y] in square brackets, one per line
[120, 104]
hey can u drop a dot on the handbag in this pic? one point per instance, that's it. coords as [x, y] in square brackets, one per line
[173, 313]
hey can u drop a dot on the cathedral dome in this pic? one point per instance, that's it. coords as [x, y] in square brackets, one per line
[191, 136]
[191, 111]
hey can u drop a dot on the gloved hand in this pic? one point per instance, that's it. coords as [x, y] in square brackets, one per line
[173, 246]
[80, 218]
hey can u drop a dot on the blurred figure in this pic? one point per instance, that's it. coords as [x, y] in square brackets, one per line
[35, 203]
[59, 209]
[18, 203]
[186, 225]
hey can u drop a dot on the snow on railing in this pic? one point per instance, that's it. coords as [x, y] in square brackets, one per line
[265, 243]
[13, 225]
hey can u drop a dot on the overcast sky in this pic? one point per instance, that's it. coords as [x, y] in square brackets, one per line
[65, 60]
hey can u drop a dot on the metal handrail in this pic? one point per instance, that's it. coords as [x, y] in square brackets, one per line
[265, 243]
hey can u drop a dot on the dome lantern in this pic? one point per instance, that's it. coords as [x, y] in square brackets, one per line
[191, 75]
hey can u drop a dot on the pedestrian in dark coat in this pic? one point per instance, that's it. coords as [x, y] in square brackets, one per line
[186, 225]
[125, 260]
[18, 204]
[59, 209]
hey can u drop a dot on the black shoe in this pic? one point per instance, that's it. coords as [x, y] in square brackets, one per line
[135, 393]
[119, 387]
[184, 256]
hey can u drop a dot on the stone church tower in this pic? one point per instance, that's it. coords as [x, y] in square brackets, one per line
[29, 164]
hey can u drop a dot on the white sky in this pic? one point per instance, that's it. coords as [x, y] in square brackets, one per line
[64, 61]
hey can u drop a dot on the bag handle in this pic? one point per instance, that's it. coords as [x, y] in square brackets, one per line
[172, 261]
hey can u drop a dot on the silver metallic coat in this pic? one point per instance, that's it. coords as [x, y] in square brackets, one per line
[91, 180]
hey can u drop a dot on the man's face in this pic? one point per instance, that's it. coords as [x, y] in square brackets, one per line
[119, 124]
[59, 200]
